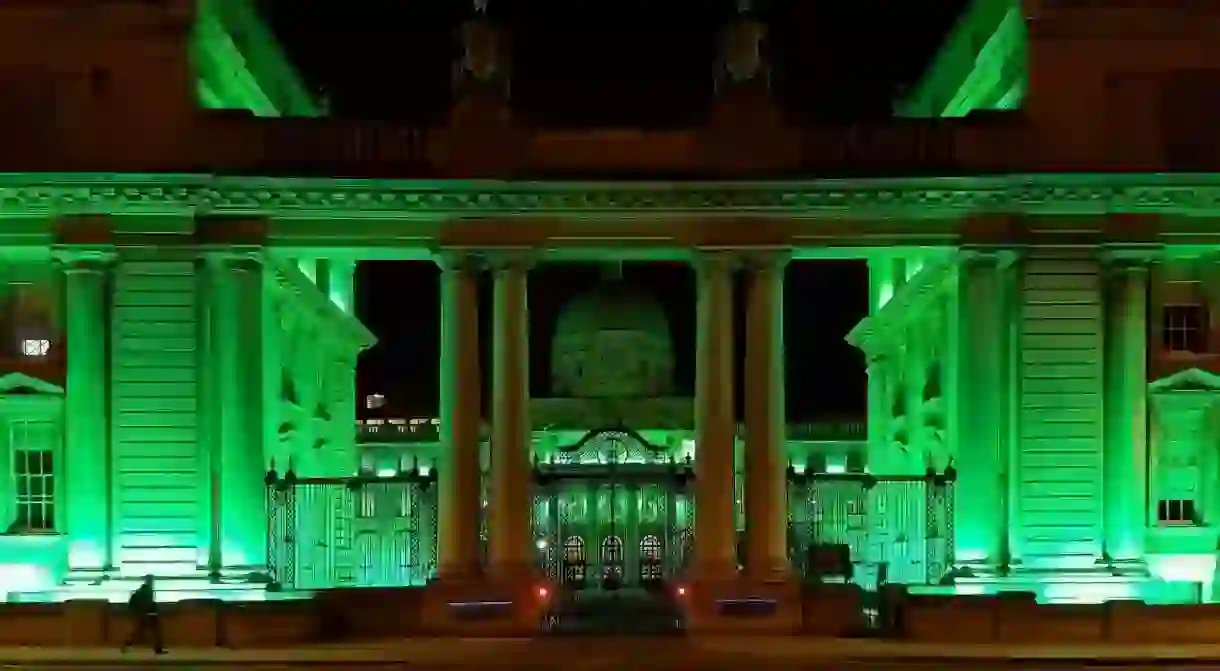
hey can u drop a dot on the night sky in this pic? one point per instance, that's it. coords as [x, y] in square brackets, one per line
[587, 63]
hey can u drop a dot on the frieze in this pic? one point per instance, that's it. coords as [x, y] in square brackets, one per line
[916, 198]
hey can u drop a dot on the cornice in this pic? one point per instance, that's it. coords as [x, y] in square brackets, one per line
[53, 194]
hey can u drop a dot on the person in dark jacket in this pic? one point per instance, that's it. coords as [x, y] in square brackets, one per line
[143, 607]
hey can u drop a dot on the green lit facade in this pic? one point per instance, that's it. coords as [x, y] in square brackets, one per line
[180, 397]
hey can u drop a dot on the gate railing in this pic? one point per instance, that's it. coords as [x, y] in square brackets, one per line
[896, 529]
[350, 532]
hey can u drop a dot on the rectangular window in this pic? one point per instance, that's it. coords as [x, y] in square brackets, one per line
[1175, 511]
[1185, 328]
[33, 449]
[34, 471]
[35, 347]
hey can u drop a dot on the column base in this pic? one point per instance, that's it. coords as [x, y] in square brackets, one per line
[742, 606]
[1131, 567]
[508, 603]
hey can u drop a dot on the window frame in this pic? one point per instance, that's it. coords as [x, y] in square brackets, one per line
[34, 406]
[1189, 336]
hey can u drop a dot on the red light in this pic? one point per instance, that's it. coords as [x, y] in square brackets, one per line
[681, 591]
[542, 592]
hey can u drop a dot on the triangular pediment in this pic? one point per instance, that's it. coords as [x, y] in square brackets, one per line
[1190, 379]
[20, 383]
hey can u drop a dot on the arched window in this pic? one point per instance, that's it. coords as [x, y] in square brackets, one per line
[574, 549]
[612, 550]
[650, 559]
[650, 548]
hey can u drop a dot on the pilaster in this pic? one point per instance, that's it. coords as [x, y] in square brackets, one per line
[978, 344]
[236, 368]
[86, 458]
[1125, 465]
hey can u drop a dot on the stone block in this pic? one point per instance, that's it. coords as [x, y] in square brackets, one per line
[1136, 622]
[268, 623]
[832, 610]
[192, 623]
[31, 624]
[345, 614]
[484, 608]
[1027, 622]
[960, 619]
[742, 607]
[84, 622]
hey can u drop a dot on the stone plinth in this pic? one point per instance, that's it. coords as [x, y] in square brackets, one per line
[485, 607]
[740, 606]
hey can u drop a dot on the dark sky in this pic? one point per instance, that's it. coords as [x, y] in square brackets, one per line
[613, 63]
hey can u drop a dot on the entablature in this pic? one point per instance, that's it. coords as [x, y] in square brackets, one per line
[814, 218]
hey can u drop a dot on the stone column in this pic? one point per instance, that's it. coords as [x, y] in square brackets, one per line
[86, 458]
[765, 458]
[510, 542]
[1126, 447]
[978, 331]
[237, 344]
[715, 426]
[459, 501]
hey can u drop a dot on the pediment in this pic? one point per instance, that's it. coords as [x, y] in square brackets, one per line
[20, 383]
[1188, 380]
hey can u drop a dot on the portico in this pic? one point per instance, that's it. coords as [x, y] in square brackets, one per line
[715, 570]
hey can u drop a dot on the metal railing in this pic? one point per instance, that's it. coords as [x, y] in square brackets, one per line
[350, 532]
[896, 529]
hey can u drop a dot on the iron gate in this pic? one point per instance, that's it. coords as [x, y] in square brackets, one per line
[897, 529]
[350, 532]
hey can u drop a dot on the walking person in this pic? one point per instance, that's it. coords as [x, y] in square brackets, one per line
[143, 607]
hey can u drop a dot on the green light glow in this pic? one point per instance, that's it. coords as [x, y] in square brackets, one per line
[980, 66]
[240, 65]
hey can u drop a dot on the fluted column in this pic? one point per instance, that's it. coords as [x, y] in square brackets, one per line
[510, 546]
[458, 497]
[1126, 446]
[86, 454]
[237, 344]
[766, 466]
[715, 536]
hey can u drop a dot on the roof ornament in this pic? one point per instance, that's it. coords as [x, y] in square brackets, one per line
[741, 58]
[484, 49]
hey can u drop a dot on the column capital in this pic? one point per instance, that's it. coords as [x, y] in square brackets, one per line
[714, 260]
[998, 256]
[510, 259]
[83, 258]
[769, 259]
[234, 258]
[451, 259]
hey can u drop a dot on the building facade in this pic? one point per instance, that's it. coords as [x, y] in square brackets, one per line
[181, 349]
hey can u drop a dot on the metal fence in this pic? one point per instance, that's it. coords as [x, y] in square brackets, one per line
[896, 529]
[350, 532]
